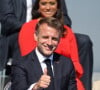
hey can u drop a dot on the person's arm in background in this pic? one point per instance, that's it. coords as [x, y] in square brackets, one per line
[0, 29]
[67, 19]
[9, 21]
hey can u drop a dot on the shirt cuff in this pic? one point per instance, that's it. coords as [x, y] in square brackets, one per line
[32, 85]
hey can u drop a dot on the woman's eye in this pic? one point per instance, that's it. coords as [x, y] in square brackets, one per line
[43, 3]
[52, 3]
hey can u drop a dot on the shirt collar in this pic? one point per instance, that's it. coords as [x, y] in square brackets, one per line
[41, 57]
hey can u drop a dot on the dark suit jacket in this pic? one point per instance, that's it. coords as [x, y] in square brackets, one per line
[27, 70]
[12, 17]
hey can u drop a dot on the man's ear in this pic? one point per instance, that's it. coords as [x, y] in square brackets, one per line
[35, 37]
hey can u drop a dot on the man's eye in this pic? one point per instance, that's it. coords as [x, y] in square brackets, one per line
[55, 39]
[45, 37]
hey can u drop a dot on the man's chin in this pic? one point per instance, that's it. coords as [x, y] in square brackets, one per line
[47, 54]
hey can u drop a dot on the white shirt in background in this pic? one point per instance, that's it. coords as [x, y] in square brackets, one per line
[29, 9]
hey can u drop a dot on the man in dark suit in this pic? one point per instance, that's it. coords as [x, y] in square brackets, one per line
[32, 73]
[13, 14]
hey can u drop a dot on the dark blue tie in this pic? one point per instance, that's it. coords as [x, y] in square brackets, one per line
[50, 73]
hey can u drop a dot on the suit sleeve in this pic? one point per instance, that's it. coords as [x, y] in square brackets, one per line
[18, 78]
[10, 23]
[72, 82]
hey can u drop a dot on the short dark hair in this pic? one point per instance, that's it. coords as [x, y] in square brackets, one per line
[52, 22]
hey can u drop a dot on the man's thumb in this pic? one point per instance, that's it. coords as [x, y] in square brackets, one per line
[45, 71]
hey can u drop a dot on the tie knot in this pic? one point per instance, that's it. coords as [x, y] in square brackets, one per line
[47, 62]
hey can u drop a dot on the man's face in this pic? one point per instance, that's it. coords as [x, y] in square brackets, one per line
[48, 8]
[47, 39]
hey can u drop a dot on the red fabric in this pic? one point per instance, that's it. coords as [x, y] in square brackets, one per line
[79, 84]
[66, 47]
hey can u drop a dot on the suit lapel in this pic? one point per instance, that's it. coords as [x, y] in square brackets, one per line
[56, 63]
[36, 65]
[57, 71]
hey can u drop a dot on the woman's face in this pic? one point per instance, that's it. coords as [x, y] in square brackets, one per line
[48, 8]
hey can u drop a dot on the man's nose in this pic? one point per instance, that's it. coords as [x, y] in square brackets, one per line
[49, 41]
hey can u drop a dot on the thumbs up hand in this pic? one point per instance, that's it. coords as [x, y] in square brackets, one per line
[44, 81]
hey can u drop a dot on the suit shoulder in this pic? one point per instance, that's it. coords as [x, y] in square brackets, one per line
[21, 61]
[62, 58]
[64, 62]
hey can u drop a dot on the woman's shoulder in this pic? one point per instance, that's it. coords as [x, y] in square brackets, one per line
[34, 21]
[30, 23]
[67, 28]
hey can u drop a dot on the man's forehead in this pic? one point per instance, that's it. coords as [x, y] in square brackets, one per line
[45, 26]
